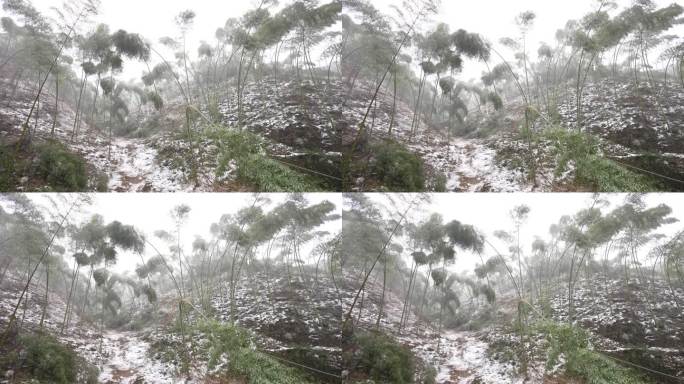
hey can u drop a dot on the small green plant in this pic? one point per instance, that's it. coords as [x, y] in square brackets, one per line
[428, 375]
[591, 169]
[244, 361]
[438, 183]
[223, 339]
[254, 167]
[580, 361]
[384, 359]
[101, 183]
[399, 169]
[46, 359]
[213, 109]
[63, 170]
[234, 144]
[259, 368]
[270, 176]
[7, 169]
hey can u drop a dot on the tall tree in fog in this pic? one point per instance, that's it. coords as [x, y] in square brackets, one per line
[364, 234]
[62, 213]
[73, 14]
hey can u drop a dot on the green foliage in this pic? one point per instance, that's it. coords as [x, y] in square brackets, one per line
[234, 144]
[428, 376]
[399, 169]
[124, 236]
[384, 359]
[47, 359]
[495, 100]
[63, 170]
[156, 100]
[7, 169]
[244, 361]
[259, 368]
[254, 166]
[438, 183]
[213, 109]
[488, 293]
[591, 169]
[223, 339]
[270, 176]
[580, 361]
[150, 293]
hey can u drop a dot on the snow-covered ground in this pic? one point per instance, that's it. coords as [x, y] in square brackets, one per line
[291, 314]
[641, 116]
[131, 166]
[468, 362]
[126, 360]
[462, 358]
[134, 168]
[471, 166]
[122, 357]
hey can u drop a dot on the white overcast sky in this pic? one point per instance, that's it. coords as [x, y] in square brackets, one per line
[490, 213]
[487, 212]
[150, 212]
[493, 19]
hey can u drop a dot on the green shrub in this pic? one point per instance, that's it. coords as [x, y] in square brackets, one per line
[102, 184]
[259, 368]
[213, 109]
[428, 375]
[243, 360]
[254, 166]
[47, 359]
[63, 170]
[580, 361]
[223, 339]
[7, 169]
[384, 359]
[438, 183]
[592, 169]
[234, 144]
[270, 176]
[399, 169]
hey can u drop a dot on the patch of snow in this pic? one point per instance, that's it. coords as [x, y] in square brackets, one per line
[469, 362]
[128, 362]
[135, 169]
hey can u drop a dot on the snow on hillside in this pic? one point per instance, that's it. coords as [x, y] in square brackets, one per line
[121, 357]
[638, 116]
[131, 165]
[290, 313]
[297, 115]
[128, 361]
[643, 319]
[470, 165]
[135, 169]
[463, 357]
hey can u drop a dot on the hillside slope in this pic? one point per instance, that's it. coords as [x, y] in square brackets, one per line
[635, 326]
